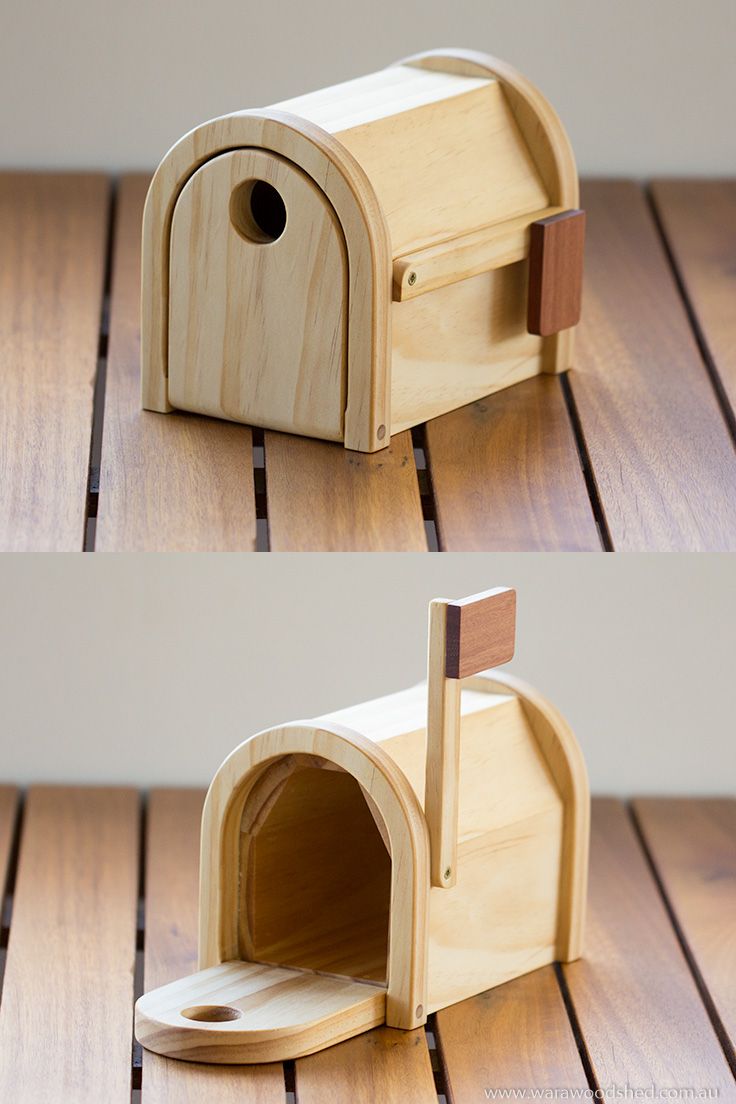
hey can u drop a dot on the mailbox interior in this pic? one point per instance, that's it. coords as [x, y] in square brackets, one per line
[315, 874]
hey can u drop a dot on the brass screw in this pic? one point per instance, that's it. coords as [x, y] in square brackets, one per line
[412, 279]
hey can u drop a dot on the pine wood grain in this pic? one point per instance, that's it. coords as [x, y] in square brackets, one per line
[323, 498]
[172, 889]
[53, 229]
[506, 475]
[465, 637]
[693, 846]
[636, 1001]
[242, 1012]
[381, 1065]
[464, 257]
[515, 1036]
[699, 220]
[65, 1019]
[257, 329]
[167, 483]
[662, 456]
[225, 924]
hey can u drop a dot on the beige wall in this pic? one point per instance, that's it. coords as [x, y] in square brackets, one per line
[151, 669]
[644, 86]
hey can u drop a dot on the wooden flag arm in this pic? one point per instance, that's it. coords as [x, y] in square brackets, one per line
[465, 638]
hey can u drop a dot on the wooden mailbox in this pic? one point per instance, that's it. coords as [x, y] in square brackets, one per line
[358, 260]
[376, 864]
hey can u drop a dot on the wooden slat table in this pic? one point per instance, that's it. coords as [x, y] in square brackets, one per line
[652, 1005]
[631, 450]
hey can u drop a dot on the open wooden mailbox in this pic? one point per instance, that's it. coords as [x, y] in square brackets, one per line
[376, 864]
[361, 259]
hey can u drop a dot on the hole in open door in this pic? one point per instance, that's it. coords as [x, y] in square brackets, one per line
[212, 1013]
[317, 885]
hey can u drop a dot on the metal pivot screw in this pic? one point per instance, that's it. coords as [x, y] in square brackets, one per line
[447, 873]
[412, 279]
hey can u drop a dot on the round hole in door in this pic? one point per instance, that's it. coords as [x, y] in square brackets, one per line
[212, 1013]
[257, 211]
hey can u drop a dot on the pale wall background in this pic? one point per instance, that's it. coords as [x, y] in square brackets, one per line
[644, 86]
[150, 669]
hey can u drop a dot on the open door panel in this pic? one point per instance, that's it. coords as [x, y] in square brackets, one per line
[242, 1012]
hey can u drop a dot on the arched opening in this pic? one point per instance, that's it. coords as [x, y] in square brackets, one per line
[315, 872]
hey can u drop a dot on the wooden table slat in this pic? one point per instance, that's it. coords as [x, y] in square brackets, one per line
[66, 1012]
[53, 233]
[506, 475]
[324, 498]
[168, 482]
[636, 1001]
[693, 847]
[66, 1015]
[699, 220]
[505, 471]
[170, 952]
[384, 1065]
[661, 452]
[516, 1036]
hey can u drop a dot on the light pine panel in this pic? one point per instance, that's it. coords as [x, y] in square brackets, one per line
[53, 241]
[324, 498]
[66, 1015]
[693, 847]
[662, 455]
[172, 482]
[639, 1009]
[172, 888]
[506, 474]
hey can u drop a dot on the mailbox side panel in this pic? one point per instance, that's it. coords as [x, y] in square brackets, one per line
[500, 919]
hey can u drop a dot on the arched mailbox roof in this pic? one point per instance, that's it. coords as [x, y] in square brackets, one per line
[395, 800]
[536, 118]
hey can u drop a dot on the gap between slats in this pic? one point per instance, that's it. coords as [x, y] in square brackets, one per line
[259, 487]
[418, 435]
[727, 1045]
[439, 1071]
[8, 889]
[709, 1006]
[140, 944]
[432, 1034]
[488, 462]
[98, 398]
[258, 461]
[426, 492]
[585, 465]
[711, 368]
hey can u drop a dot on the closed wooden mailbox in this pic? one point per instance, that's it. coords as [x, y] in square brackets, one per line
[361, 259]
[374, 865]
